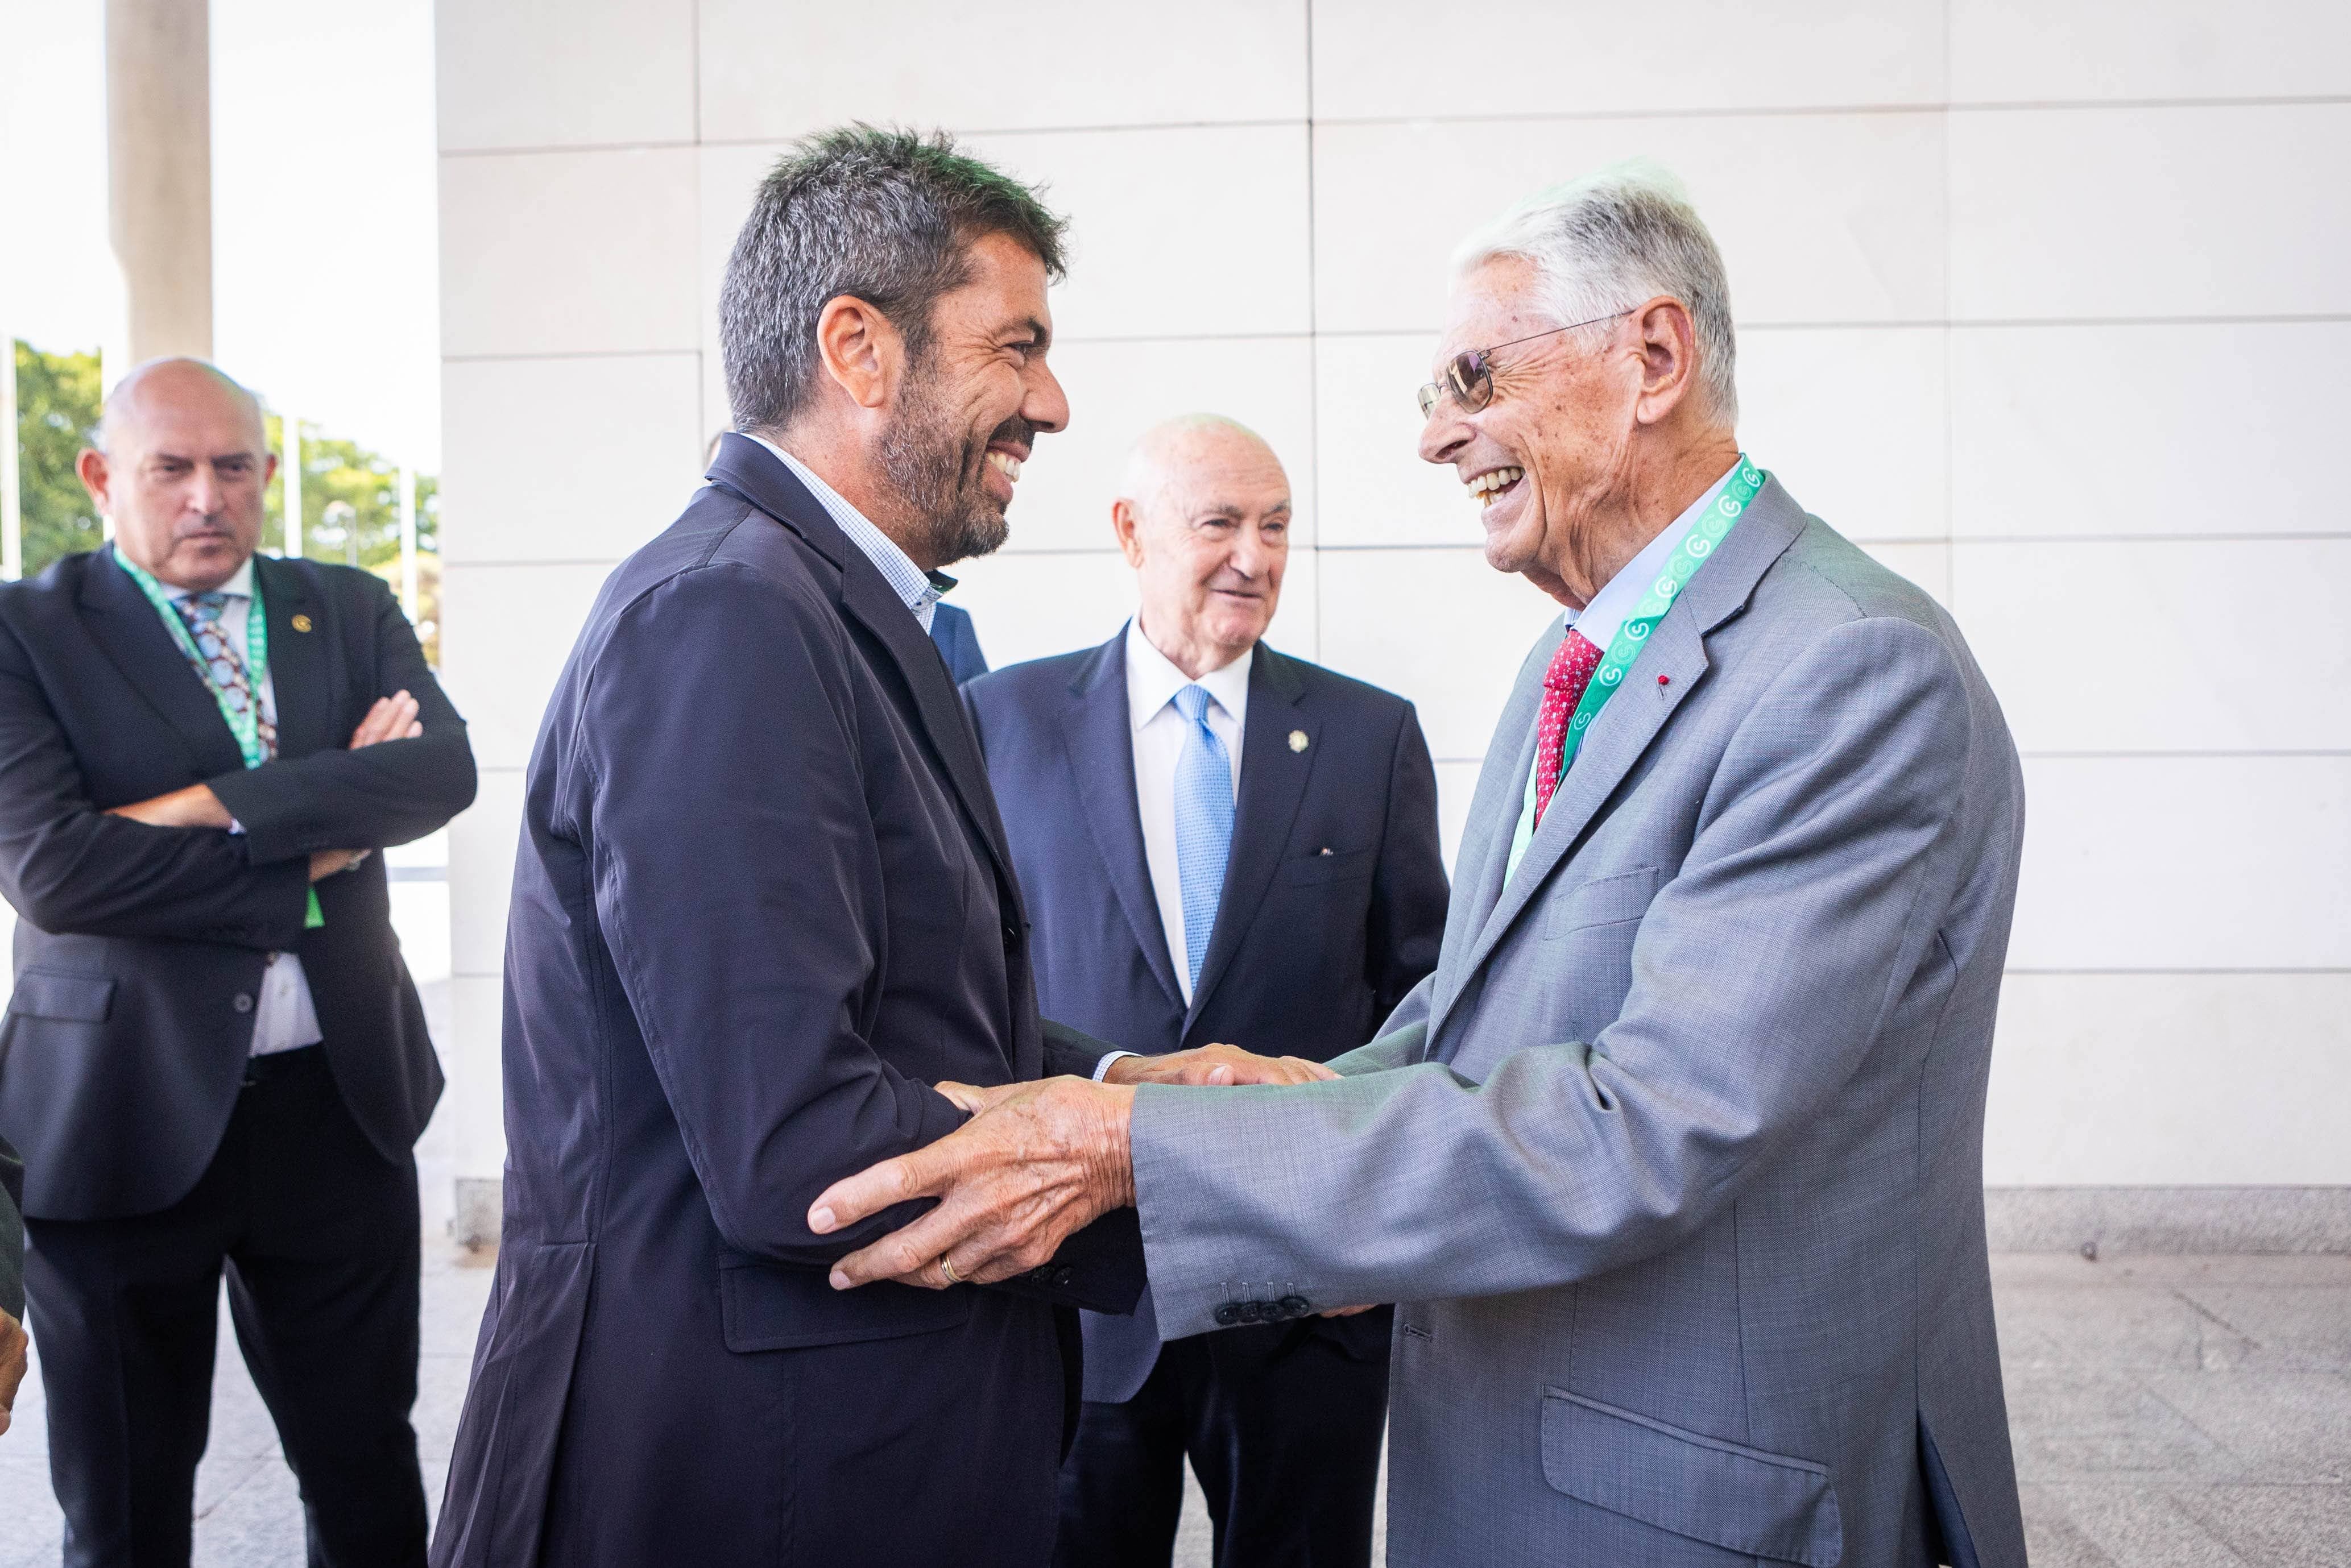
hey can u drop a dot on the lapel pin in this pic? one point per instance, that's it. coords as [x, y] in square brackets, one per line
[301, 623]
[1298, 742]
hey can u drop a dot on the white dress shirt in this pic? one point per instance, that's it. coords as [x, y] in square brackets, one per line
[1601, 619]
[284, 1016]
[1159, 731]
[908, 581]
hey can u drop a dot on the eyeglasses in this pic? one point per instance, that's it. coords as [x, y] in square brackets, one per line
[1470, 377]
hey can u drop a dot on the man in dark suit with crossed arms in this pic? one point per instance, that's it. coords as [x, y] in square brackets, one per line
[1218, 842]
[213, 1054]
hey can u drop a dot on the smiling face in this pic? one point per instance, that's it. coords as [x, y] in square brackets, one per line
[1546, 456]
[1205, 522]
[183, 474]
[972, 405]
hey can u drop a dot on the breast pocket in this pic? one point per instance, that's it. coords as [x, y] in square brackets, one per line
[1329, 865]
[1604, 901]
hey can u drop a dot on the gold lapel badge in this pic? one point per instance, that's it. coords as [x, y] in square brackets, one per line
[301, 623]
[1298, 740]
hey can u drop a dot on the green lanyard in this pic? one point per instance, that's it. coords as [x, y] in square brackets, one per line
[246, 725]
[1697, 544]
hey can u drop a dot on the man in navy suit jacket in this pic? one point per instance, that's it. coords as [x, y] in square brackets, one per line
[1327, 906]
[765, 929]
[213, 1060]
[951, 629]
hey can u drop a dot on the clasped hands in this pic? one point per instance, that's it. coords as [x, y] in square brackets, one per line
[392, 718]
[1037, 1162]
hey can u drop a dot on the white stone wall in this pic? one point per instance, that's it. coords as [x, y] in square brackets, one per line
[2045, 301]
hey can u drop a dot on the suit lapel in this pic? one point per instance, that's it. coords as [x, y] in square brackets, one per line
[746, 469]
[1099, 735]
[1274, 771]
[1493, 820]
[126, 625]
[299, 659]
[1635, 716]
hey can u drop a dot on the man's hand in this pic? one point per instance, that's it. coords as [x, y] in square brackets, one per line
[1040, 1161]
[1214, 1065]
[325, 863]
[392, 718]
[14, 1365]
[1347, 1311]
[195, 806]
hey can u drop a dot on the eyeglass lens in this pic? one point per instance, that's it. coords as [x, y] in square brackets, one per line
[1467, 379]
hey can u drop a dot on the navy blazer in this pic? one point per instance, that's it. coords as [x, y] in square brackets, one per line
[958, 643]
[1333, 904]
[140, 951]
[761, 904]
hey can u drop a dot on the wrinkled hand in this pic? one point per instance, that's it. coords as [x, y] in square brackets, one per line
[392, 718]
[971, 1099]
[325, 863]
[1208, 1065]
[1039, 1161]
[13, 1365]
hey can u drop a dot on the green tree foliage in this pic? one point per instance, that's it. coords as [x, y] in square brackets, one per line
[351, 496]
[57, 400]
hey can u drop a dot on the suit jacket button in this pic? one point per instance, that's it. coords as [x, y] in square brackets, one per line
[243, 1003]
[1228, 1314]
[1293, 1306]
[1064, 1275]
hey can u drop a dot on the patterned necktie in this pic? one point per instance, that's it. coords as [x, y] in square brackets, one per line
[1204, 822]
[1563, 683]
[222, 665]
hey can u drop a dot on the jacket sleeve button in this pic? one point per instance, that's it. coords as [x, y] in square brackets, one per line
[1293, 1306]
[243, 1003]
[1228, 1314]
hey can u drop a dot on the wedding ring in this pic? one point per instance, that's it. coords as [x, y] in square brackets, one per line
[946, 1267]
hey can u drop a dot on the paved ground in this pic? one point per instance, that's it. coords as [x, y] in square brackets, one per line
[2167, 1411]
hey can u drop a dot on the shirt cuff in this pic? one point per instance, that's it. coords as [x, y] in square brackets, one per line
[1107, 1058]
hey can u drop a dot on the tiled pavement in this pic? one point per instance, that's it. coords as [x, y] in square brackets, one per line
[2167, 1411]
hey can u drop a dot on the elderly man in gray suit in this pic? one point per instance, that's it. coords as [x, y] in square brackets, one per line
[1675, 1164]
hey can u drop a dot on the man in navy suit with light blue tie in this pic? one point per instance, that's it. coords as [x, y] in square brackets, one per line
[1217, 843]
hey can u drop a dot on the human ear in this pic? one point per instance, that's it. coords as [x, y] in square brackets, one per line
[1668, 343]
[860, 350]
[92, 468]
[1125, 526]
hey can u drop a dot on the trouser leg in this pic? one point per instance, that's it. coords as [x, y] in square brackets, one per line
[1287, 1448]
[323, 1289]
[124, 1313]
[1122, 1482]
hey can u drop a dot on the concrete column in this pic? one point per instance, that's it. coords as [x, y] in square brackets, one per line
[159, 140]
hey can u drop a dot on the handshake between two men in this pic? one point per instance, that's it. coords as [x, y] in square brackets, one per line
[1037, 1162]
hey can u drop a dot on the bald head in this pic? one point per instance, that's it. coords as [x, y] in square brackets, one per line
[169, 389]
[180, 469]
[1203, 516]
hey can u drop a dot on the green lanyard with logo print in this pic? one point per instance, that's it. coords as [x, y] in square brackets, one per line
[1746, 482]
[244, 724]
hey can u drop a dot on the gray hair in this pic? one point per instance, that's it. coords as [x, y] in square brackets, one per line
[885, 215]
[1611, 240]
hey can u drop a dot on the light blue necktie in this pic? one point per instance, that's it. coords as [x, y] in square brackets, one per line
[1204, 822]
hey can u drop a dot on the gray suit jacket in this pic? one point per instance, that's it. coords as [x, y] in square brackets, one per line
[1675, 1164]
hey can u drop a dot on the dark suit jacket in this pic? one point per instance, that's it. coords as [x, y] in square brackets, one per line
[12, 1232]
[141, 950]
[1333, 905]
[762, 902]
[958, 643]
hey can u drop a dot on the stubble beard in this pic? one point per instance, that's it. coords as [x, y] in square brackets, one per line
[938, 470]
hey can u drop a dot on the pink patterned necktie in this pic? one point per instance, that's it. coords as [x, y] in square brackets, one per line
[1563, 683]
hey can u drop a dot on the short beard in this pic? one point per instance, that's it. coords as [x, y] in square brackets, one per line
[938, 471]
